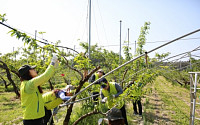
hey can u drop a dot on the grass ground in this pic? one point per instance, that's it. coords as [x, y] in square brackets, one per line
[10, 109]
[167, 105]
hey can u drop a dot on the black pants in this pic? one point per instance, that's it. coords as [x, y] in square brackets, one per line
[39, 121]
[47, 116]
[123, 110]
[95, 98]
[135, 103]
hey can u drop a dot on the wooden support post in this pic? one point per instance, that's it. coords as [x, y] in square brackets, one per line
[146, 59]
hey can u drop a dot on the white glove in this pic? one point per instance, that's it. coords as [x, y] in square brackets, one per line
[104, 99]
[54, 60]
[113, 96]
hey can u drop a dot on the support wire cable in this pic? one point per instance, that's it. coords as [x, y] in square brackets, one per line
[132, 61]
[196, 49]
[65, 104]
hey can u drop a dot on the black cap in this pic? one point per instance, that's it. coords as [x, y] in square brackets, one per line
[114, 114]
[24, 69]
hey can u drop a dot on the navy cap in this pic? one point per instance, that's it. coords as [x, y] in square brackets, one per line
[24, 69]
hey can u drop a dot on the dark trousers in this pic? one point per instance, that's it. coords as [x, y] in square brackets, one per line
[39, 121]
[47, 117]
[123, 110]
[95, 98]
[135, 103]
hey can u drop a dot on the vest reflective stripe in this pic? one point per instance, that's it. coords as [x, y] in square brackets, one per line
[96, 87]
[50, 100]
[112, 101]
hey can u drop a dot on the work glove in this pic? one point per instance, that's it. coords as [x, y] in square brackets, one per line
[54, 60]
[113, 96]
[104, 99]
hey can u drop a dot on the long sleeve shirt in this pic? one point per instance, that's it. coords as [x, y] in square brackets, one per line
[61, 94]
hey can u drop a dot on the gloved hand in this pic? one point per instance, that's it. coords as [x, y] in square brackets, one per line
[113, 96]
[104, 99]
[54, 60]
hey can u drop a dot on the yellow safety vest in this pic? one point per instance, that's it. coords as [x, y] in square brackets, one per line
[111, 102]
[50, 100]
[31, 99]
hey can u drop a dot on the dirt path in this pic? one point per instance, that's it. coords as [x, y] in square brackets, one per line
[165, 105]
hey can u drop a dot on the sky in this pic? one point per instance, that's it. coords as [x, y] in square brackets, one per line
[67, 20]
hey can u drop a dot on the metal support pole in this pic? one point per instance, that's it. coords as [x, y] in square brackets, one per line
[190, 60]
[135, 47]
[191, 98]
[194, 99]
[128, 38]
[89, 30]
[120, 48]
[35, 34]
[120, 42]
[193, 87]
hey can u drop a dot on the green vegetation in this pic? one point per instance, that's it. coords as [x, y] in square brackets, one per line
[164, 88]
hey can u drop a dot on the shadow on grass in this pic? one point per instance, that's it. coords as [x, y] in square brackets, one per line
[9, 106]
[153, 118]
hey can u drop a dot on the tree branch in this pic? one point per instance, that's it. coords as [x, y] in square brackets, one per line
[90, 74]
[69, 110]
[125, 72]
[4, 66]
[73, 68]
[86, 115]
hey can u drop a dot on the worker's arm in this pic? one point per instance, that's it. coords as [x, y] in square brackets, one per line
[103, 98]
[101, 94]
[119, 90]
[43, 78]
[32, 84]
[92, 79]
[61, 94]
[103, 80]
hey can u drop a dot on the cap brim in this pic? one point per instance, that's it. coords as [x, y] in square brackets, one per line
[33, 67]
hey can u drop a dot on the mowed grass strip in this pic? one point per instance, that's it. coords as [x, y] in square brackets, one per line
[10, 109]
[176, 100]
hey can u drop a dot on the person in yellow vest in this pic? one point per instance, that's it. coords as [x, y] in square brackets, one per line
[96, 87]
[110, 94]
[54, 98]
[31, 92]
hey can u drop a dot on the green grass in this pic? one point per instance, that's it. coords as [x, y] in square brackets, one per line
[10, 109]
[173, 102]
